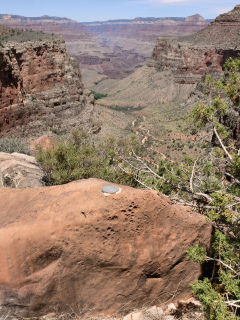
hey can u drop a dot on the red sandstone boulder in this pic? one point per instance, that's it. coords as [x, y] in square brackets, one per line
[46, 143]
[71, 246]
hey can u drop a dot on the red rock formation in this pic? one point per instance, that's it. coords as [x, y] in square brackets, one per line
[191, 57]
[70, 246]
[38, 79]
[45, 143]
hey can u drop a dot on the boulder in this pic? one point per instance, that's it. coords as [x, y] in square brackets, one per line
[73, 247]
[19, 171]
[46, 143]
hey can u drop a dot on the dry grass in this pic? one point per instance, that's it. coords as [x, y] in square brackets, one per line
[10, 145]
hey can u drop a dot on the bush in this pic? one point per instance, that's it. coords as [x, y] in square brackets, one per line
[71, 160]
[98, 95]
[76, 158]
[221, 295]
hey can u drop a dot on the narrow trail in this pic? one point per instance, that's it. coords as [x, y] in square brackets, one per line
[146, 136]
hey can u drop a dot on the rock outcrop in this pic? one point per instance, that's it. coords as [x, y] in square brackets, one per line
[191, 57]
[71, 246]
[39, 82]
[19, 171]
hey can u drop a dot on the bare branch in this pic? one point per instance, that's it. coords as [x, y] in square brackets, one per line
[224, 264]
[153, 173]
[204, 195]
[222, 145]
[192, 175]
[195, 205]
[232, 303]
[140, 182]
[231, 176]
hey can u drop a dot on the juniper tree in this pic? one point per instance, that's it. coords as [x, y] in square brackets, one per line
[209, 184]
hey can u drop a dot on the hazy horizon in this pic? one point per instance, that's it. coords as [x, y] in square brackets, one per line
[93, 10]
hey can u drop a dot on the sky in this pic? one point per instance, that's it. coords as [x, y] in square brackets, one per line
[102, 10]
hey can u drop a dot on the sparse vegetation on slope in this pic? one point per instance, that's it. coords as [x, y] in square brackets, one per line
[10, 145]
[21, 35]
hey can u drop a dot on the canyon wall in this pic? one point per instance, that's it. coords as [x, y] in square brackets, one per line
[147, 29]
[205, 52]
[39, 82]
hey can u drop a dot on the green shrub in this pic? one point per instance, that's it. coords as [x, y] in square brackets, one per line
[70, 160]
[76, 158]
[213, 303]
[98, 95]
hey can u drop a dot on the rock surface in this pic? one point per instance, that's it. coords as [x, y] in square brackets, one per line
[40, 85]
[19, 171]
[70, 246]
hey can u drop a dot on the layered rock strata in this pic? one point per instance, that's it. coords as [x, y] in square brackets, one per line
[147, 29]
[73, 247]
[191, 57]
[40, 82]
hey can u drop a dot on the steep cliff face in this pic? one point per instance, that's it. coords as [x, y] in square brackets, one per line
[177, 66]
[190, 57]
[188, 62]
[40, 82]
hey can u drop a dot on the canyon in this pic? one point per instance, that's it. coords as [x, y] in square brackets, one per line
[168, 85]
[110, 49]
[164, 86]
[182, 61]
[75, 247]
